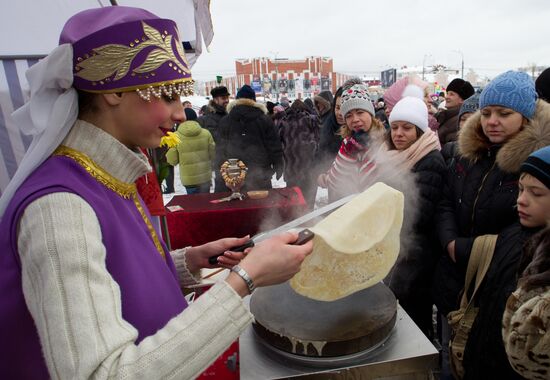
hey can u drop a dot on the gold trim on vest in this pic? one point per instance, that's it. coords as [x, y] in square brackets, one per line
[125, 190]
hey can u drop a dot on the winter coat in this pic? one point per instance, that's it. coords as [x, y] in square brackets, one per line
[526, 321]
[247, 133]
[484, 356]
[194, 154]
[411, 277]
[211, 120]
[526, 332]
[299, 133]
[449, 152]
[354, 168]
[448, 124]
[330, 141]
[480, 194]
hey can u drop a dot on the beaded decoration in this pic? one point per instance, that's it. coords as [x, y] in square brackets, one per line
[185, 89]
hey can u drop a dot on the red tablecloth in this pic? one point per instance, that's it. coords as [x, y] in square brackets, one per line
[201, 221]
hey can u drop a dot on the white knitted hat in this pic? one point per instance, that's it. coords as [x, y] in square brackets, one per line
[356, 97]
[412, 110]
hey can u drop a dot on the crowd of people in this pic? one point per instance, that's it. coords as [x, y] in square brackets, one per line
[90, 289]
[470, 164]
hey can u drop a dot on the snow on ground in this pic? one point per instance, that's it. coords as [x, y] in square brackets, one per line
[320, 200]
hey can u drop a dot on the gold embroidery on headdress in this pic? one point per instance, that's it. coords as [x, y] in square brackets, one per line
[115, 59]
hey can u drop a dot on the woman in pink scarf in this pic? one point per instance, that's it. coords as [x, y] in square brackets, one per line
[412, 150]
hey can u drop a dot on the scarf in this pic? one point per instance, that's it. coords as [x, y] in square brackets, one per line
[404, 160]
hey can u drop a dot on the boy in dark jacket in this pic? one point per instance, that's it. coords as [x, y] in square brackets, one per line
[485, 356]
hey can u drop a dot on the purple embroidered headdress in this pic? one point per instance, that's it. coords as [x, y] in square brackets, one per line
[124, 49]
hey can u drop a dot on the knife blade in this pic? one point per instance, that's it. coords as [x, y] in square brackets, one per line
[303, 237]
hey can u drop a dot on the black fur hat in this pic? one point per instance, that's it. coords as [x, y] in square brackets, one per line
[463, 88]
[219, 91]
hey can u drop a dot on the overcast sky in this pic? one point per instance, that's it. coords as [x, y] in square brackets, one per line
[370, 36]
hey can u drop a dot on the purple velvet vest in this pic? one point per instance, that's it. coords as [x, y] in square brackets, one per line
[148, 283]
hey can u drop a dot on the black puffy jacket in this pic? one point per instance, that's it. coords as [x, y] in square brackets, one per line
[248, 134]
[330, 141]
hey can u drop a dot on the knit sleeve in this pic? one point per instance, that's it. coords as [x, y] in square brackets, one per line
[76, 304]
[185, 276]
[526, 332]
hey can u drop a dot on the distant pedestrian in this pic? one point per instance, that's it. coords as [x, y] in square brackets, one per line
[299, 132]
[194, 155]
[247, 133]
[542, 85]
[217, 109]
[457, 92]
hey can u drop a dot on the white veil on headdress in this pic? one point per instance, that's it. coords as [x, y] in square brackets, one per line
[48, 116]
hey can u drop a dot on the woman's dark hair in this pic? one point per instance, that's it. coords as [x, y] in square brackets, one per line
[270, 105]
[337, 94]
[299, 105]
[391, 145]
[86, 102]
[534, 268]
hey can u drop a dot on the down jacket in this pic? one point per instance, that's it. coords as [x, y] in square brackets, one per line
[480, 194]
[411, 278]
[194, 154]
[248, 134]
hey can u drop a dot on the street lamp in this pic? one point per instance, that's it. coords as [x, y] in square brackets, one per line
[462, 61]
[275, 53]
[424, 64]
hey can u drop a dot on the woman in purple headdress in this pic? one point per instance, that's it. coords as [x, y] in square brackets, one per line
[88, 287]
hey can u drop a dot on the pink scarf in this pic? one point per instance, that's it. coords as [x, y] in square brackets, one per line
[405, 159]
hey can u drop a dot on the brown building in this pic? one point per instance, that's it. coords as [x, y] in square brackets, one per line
[297, 78]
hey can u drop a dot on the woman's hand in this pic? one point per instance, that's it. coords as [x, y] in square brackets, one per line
[272, 261]
[197, 257]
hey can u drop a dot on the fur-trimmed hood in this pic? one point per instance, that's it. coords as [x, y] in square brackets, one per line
[246, 102]
[473, 144]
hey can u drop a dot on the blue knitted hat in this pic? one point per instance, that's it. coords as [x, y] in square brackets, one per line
[512, 89]
[470, 105]
[538, 165]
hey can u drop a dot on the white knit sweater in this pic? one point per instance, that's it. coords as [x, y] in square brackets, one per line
[76, 303]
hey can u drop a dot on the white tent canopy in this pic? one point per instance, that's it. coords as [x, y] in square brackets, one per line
[30, 30]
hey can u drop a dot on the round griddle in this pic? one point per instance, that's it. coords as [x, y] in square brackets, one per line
[302, 326]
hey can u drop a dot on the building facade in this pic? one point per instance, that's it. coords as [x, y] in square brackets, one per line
[272, 78]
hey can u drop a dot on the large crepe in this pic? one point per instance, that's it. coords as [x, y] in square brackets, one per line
[354, 247]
